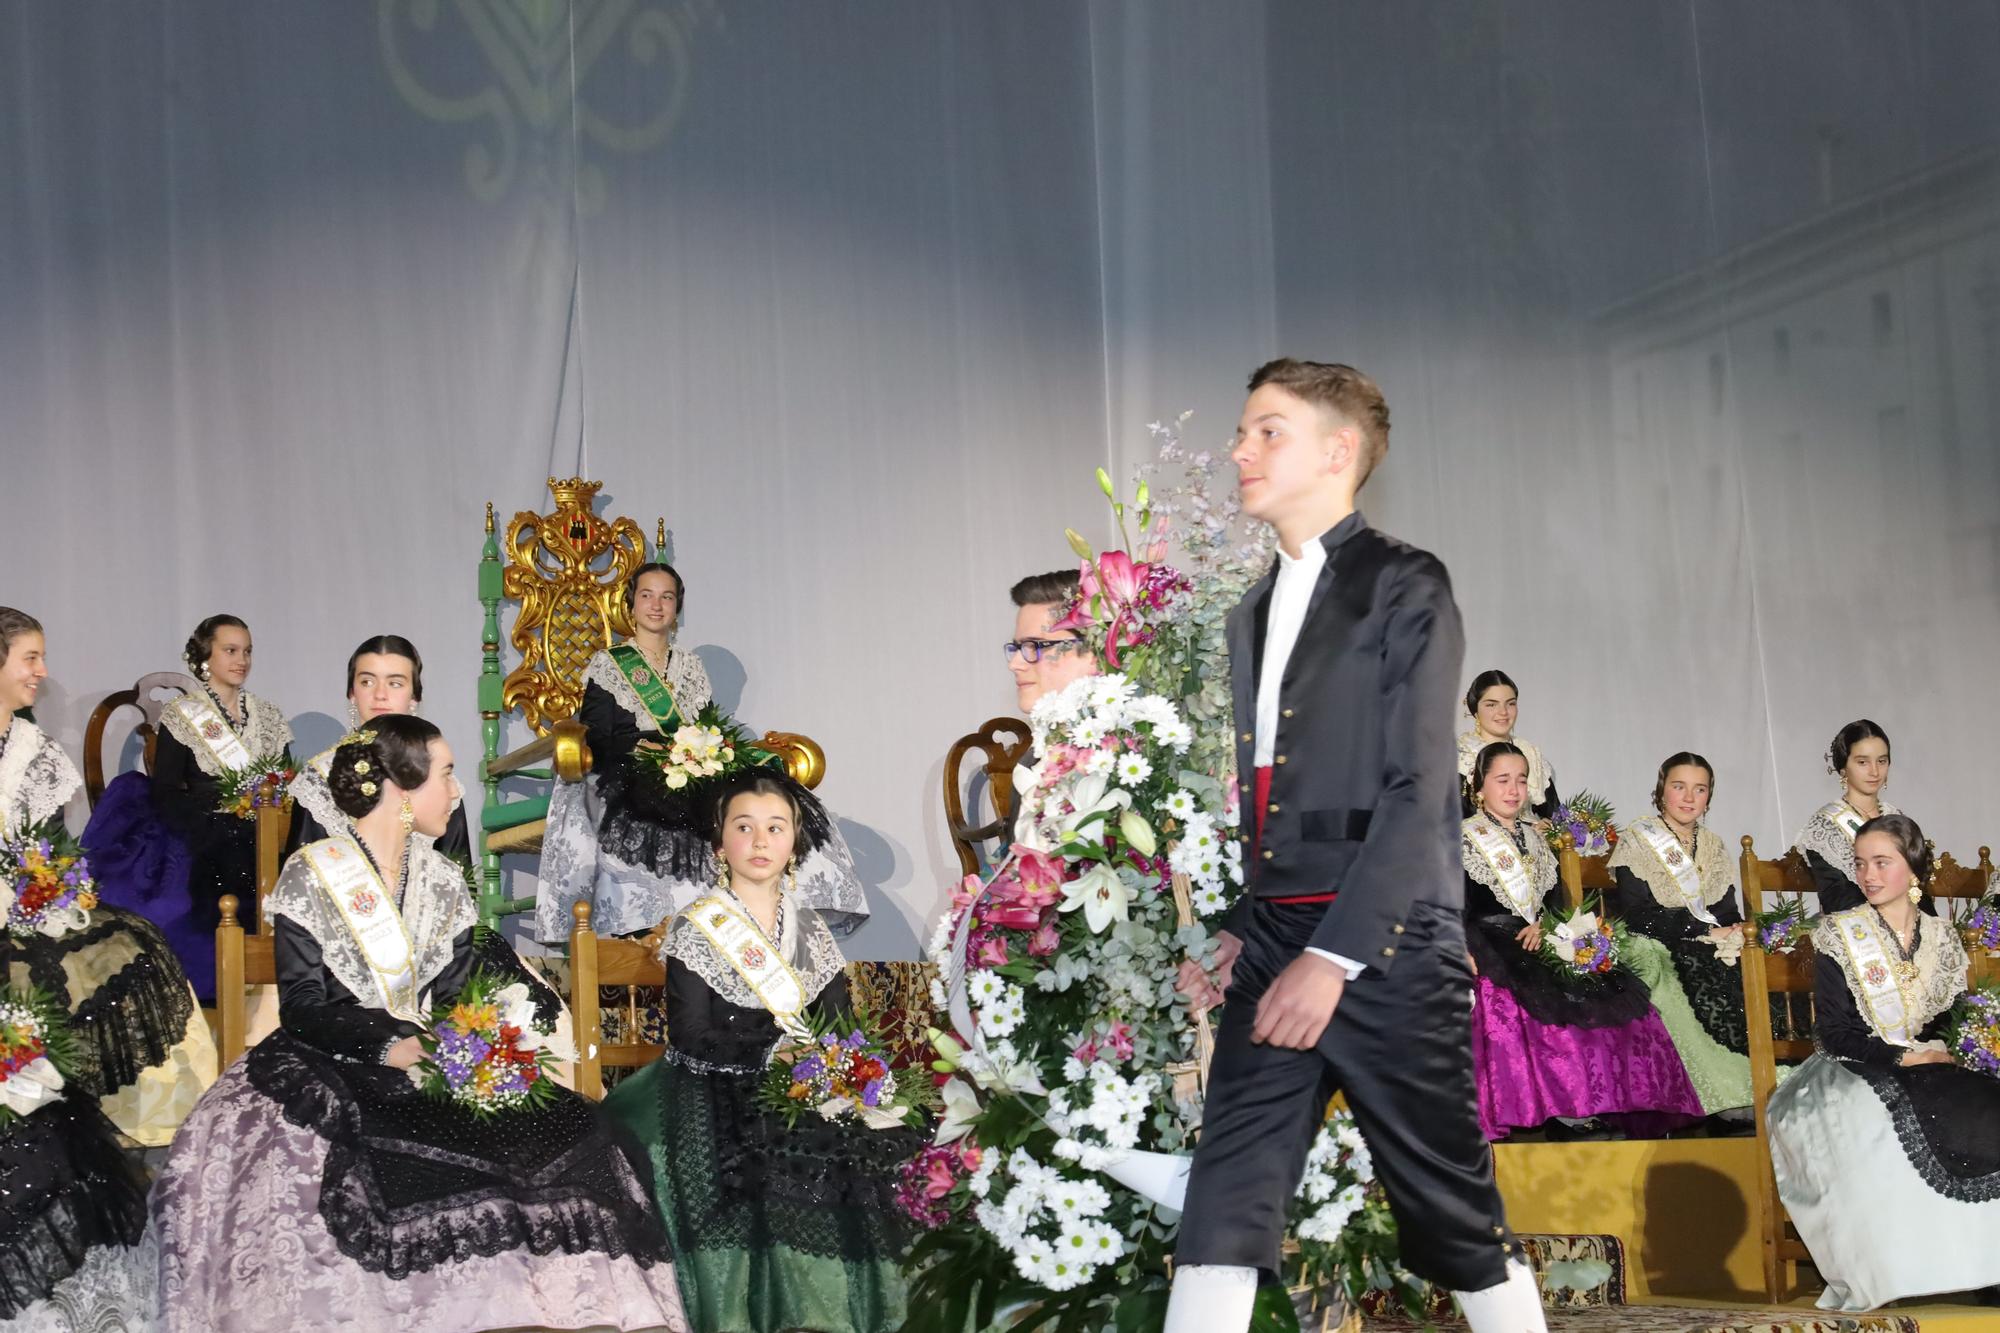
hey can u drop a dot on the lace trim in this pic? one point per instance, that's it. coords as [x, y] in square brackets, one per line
[1637, 855]
[1941, 962]
[98, 1204]
[687, 681]
[1540, 775]
[436, 906]
[673, 1055]
[1910, 1133]
[1541, 860]
[1825, 837]
[36, 778]
[264, 735]
[311, 790]
[803, 940]
[132, 1019]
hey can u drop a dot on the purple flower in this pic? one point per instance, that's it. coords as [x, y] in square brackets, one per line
[871, 1095]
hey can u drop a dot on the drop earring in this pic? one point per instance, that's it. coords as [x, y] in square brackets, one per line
[353, 716]
[792, 875]
[722, 870]
[407, 817]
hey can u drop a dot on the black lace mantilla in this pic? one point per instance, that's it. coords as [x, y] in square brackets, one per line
[133, 1018]
[1714, 991]
[412, 1182]
[65, 1186]
[1948, 1121]
[672, 834]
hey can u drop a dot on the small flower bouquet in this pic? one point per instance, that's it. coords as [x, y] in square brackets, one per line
[486, 1051]
[1779, 930]
[838, 1070]
[1584, 823]
[45, 882]
[1582, 942]
[1972, 1031]
[245, 791]
[931, 1187]
[35, 1047]
[712, 746]
[1980, 928]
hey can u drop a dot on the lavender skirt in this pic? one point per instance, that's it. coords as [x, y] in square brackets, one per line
[243, 1249]
[1530, 1072]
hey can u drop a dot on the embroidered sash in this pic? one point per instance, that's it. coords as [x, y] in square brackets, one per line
[1679, 863]
[1513, 870]
[651, 688]
[372, 921]
[1881, 994]
[731, 932]
[224, 746]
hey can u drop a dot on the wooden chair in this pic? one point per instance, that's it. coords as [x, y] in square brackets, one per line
[241, 961]
[1959, 889]
[1584, 875]
[1004, 742]
[1765, 976]
[567, 571]
[150, 694]
[595, 962]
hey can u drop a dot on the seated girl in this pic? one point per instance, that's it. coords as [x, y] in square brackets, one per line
[1859, 757]
[1493, 703]
[143, 1047]
[1549, 1043]
[1887, 1154]
[774, 1228]
[316, 1187]
[620, 840]
[1674, 888]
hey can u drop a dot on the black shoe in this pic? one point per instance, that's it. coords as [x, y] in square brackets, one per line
[1592, 1130]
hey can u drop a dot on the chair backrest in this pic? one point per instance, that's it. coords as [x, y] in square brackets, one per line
[150, 694]
[1783, 981]
[274, 830]
[1002, 742]
[1959, 889]
[241, 961]
[596, 962]
[1584, 875]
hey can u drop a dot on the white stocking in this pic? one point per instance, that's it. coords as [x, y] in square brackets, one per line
[1512, 1306]
[1211, 1298]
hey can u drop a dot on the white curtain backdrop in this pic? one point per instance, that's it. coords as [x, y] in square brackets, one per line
[1689, 316]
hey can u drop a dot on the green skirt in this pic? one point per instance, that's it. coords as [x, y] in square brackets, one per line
[1721, 1077]
[773, 1229]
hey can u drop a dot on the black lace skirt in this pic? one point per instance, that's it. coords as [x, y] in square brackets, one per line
[65, 1186]
[412, 1182]
[127, 997]
[1553, 995]
[1714, 991]
[1948, 1121]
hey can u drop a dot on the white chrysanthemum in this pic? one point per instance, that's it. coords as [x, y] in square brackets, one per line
[1103, 1243]
[985, 986]
[1199, 833]
[1034, 1259]
[1109, 691]
[1134, 769]
[1097, 761]
[981, 1179]
[1180, 803]
[1209, 901]
[1175, 735]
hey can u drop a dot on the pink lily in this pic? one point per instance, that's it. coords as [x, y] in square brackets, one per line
[1045, 941]
[990, 950]
[1120, 1038]
[1086, 1052]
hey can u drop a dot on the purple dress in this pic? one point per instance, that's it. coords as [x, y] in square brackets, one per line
[1548, 1044]
[143, 866]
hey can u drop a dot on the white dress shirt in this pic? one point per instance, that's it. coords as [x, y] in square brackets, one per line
[1291, 597]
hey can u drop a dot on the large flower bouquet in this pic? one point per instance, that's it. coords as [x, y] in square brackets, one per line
[1584, 825]
[838, 1071]
[36, 1047]
[1972, 1031]
[1074, 1075]
[487, 1052]
[701, 753]
[45, 882]
[264, 782]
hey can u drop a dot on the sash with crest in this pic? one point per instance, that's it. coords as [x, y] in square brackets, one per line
[369, 914]
[732, 934]
[1679, 863]
[652, 690]
[205, 720]
[1513, 871]
[1874, 971]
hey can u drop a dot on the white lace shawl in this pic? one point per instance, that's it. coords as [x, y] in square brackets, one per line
[1635, 854]
[1827, 838]
[36, 777]
[1540, 775]
[435, 902]
[687, 681]
[264, 735]
[1941, 962]
[314, 793]
[1541, 861]
[803, 941]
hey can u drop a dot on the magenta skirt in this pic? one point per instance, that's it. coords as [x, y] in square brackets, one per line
[1530, 1072]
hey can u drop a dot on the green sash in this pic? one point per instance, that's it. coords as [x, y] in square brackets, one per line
[653, 691]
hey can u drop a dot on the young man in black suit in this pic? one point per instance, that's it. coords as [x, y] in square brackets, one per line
[1345, 963]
